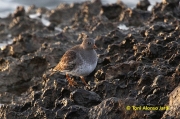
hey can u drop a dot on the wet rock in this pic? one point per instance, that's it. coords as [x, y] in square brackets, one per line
[85, 98]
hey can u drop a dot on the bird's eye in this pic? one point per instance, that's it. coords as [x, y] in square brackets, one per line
[89, 43]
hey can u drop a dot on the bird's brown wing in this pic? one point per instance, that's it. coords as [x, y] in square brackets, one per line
[68, 62]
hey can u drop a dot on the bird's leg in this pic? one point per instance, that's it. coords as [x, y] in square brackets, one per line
[83, 80]
[71, 82]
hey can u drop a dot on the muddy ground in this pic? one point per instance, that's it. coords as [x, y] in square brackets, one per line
[137, 67]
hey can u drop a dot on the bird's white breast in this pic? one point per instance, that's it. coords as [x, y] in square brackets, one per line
[84, 65]
[84, 69]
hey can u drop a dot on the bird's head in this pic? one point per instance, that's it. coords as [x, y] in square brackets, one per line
[88, 43]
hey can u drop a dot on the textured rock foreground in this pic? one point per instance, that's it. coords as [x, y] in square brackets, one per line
[137, 67]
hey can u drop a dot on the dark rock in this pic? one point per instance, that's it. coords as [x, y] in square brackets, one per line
[31, 9]
[134, 17]
[105, 107]
[174, 60]
[21, 71]
[146, 78]
[85, 98]
[105, 89]
[73, 112]
[100, 75]
[158, 81]
[143, 5]
[112, 11]
[102, 28]
[22, 45]
[64, 102]
[178, 70]
[137, 66]
[117, 70]
[111, 108]
[173, 105]
[154, 50]
[36, 95]
[20, 11]
[21, 24]
[64, 12]
[163, 100]
[160, 26]
[152, 99]
[26, 106]
[102, 42]
[145, 89]
[170, 1]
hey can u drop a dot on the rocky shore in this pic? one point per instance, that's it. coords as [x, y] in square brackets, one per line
[138, 71]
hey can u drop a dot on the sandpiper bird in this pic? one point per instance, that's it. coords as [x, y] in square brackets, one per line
[79, 61]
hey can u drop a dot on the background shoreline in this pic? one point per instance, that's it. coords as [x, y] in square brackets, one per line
[8, 6]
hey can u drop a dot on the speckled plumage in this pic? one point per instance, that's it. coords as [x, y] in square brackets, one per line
[80, 60]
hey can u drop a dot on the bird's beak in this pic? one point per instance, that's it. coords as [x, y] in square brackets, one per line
[94, 47]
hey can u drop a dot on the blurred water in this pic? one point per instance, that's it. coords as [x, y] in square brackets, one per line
[8, 6]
